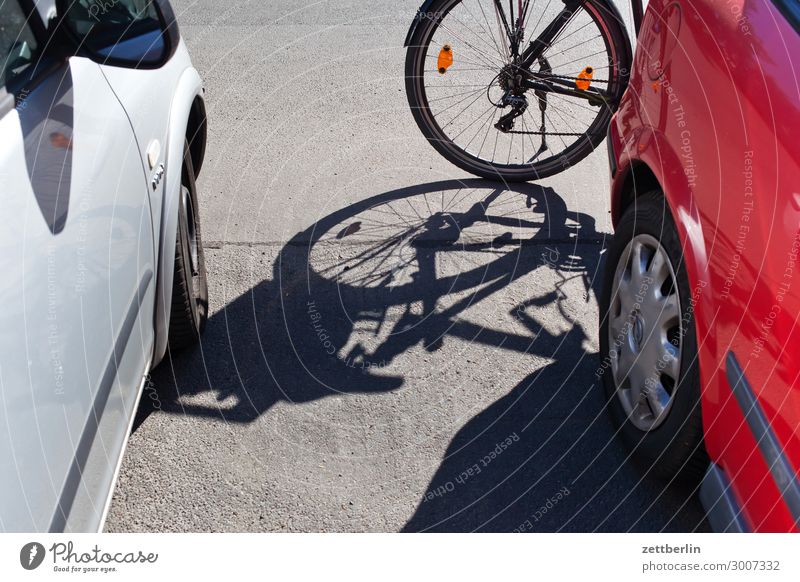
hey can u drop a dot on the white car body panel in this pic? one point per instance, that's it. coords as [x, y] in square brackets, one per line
[161, 120]
[88, 245]
[77, 238]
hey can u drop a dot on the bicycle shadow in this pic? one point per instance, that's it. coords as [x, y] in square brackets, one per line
[544, 458]
[290, 337]
[346, 298]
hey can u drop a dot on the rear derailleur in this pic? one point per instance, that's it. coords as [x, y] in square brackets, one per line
[512, 82]
[518, 103]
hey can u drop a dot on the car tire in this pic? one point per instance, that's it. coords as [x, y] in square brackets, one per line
[190, 286]
[655, 407]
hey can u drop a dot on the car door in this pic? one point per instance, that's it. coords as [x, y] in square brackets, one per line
[162, 98]
[745, 106]
[762, 361]
[77, 287]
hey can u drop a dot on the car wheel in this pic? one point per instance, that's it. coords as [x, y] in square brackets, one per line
[190, 286]
[648, 343]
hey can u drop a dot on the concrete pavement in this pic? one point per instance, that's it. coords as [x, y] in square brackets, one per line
[354, 377]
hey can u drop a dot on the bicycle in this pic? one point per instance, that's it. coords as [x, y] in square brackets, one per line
[564, 83]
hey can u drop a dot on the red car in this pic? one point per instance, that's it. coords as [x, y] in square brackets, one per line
[699, 312]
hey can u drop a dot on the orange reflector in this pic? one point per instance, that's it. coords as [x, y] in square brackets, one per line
[584, 78]
[445, 58]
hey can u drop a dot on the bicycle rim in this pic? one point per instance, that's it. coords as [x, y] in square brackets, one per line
[456, 109]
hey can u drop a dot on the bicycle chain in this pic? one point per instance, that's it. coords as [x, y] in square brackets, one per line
[559, 134]
[566, 78]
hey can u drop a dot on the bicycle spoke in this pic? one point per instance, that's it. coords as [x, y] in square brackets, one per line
[455, 105]
[530, 139]
[493, 110]
[527, 15]
[465, 124]
[491, 34]
[454, 69]
[563, 38]
[523, 16]
[582, 58]
[499, 53]
[560, 137]
[494, 151]
[461, 59]
[490, 61]
[454, 138]
[558, 113]
[501, 27]
[488, 129]
[575, 103]
[538, 22]
[460, 113]
[477, 85]
[581, 43]
[564, 27]
[510, 145]
[497, 48]
[481, 90]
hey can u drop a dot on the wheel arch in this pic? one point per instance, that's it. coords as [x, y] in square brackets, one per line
[648, 163]
[633, 181]
[187, 121]
[197, 133]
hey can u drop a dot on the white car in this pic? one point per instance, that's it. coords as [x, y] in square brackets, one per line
[102, 134]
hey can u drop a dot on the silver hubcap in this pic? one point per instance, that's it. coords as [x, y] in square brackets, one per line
[645, 332]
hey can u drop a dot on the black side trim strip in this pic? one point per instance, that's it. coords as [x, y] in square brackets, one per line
[722, 510]
[73, 480]
[790, 10]
[780, 467]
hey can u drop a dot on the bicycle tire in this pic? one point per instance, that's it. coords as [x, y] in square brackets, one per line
[617, 45]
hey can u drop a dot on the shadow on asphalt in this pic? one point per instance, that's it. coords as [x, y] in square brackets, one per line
[541, 458]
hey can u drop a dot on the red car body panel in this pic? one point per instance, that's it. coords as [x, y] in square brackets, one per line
[713, 112]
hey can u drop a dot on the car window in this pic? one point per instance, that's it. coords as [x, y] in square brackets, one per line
[126, 29]
[112, 21]
[17, 41]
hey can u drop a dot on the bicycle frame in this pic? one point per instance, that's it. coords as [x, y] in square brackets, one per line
[539, 45]
[526, 68]
[424, 11]
[549, 34]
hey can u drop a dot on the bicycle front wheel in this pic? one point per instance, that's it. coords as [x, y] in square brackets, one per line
[488, 111]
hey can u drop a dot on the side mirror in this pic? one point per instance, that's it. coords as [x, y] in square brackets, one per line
[140, 34]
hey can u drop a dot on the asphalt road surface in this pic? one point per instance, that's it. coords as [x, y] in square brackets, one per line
[354, 377]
